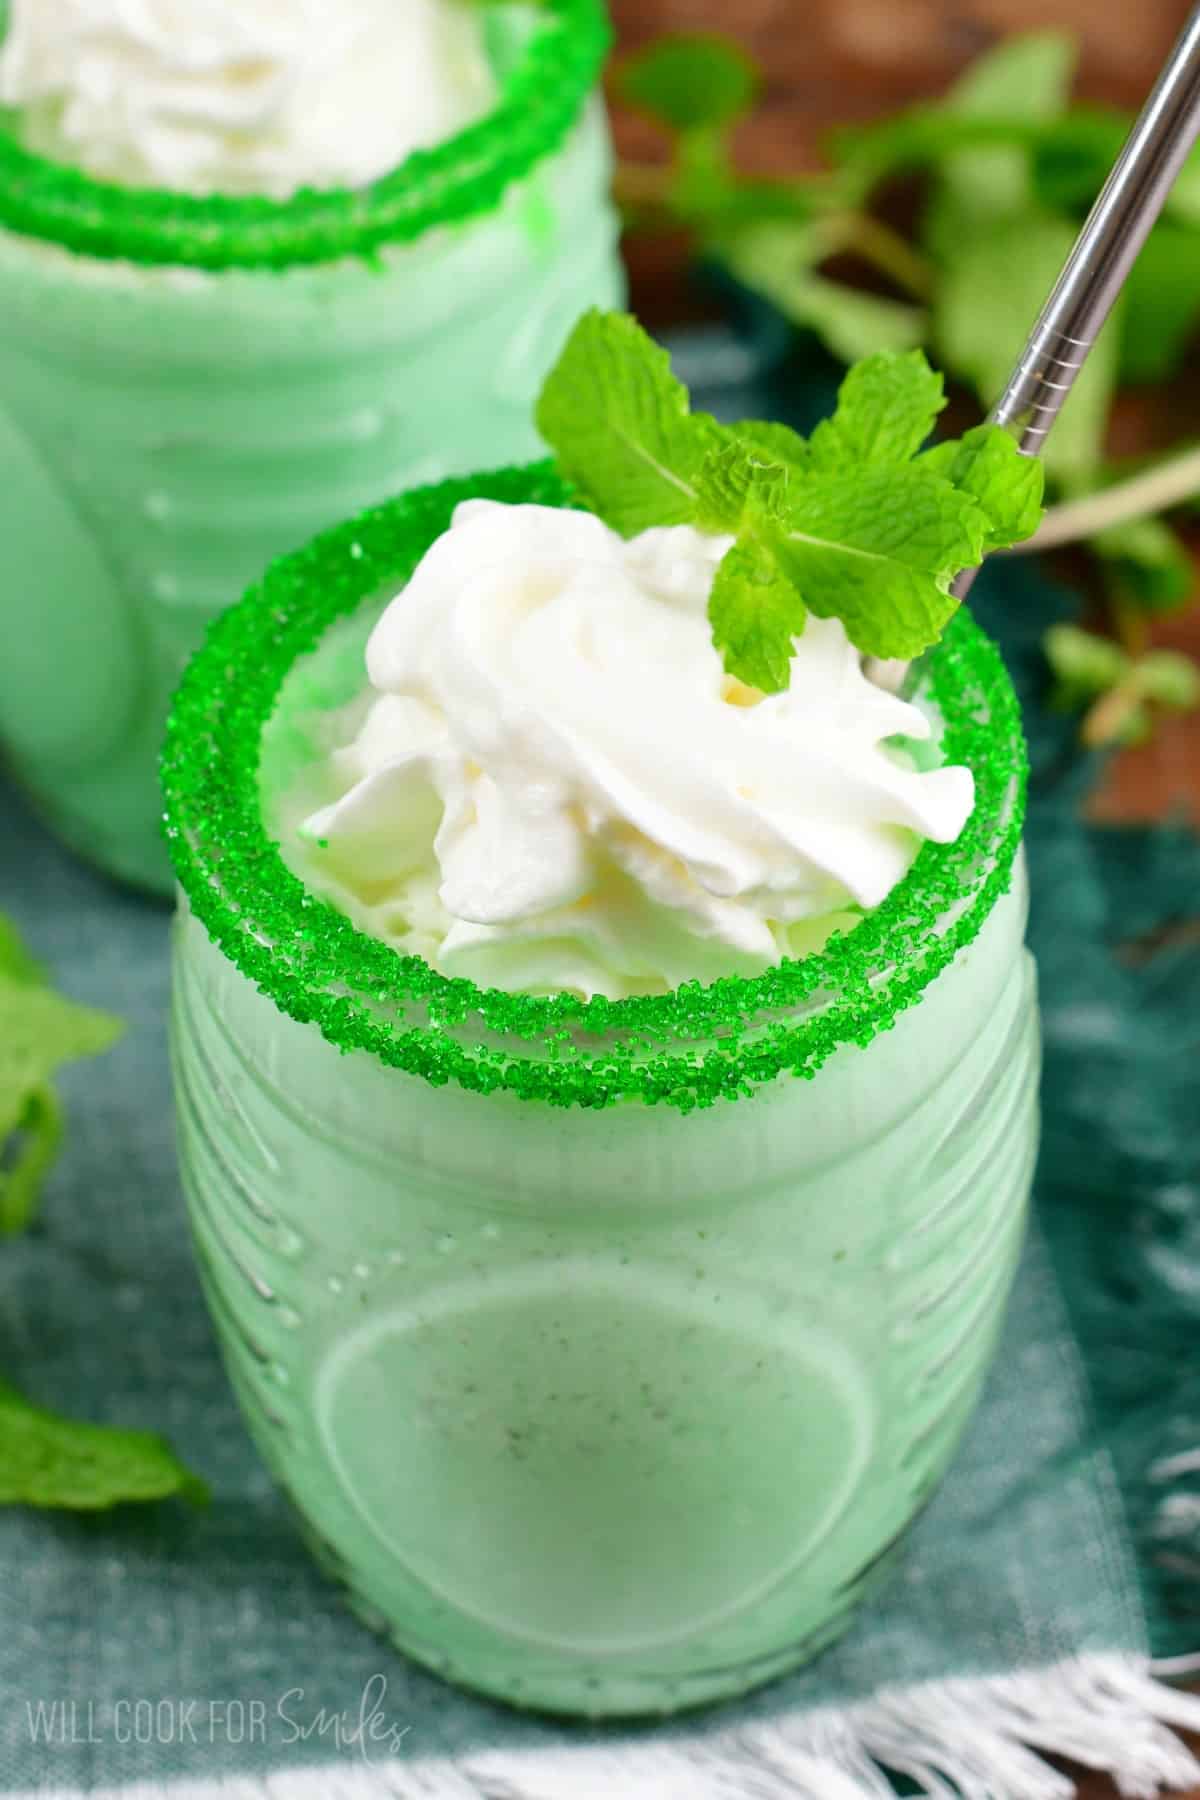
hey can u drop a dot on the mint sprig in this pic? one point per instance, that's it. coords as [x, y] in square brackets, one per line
[39, 1031]
[851, 523]
[1119, 692]
[691, 82]
[46, 1460]
[1008, 163]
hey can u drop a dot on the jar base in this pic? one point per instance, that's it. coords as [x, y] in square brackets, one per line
[597, 1692]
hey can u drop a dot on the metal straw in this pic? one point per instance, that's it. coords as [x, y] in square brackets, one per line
[1105, 250]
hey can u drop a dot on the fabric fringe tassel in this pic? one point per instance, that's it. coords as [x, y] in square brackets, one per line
[965, 1739]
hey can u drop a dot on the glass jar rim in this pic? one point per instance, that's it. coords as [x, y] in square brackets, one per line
[684, 1048]
[445, 184]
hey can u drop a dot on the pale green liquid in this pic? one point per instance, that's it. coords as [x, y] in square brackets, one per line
[164, 435]
[609, 1412]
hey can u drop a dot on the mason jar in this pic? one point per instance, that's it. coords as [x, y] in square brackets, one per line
[189, 387]
[605, 1348]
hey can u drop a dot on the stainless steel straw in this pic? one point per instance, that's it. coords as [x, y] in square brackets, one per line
[1105, 250]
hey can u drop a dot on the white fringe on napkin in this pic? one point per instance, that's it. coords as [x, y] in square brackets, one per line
[967, 1739]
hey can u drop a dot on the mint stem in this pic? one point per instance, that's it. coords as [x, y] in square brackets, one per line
[1154, 491]
[861, 235]
[1107, 717]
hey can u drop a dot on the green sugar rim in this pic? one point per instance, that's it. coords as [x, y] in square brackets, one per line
[454, 180]
[686, 1048]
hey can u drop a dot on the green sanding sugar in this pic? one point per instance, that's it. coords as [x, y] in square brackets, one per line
[450, 182]
[687, 1048]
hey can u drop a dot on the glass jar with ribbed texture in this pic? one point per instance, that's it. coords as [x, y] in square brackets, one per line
[606, 1348]
[191, 386]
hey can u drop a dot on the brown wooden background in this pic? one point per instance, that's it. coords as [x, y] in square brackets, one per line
[828, 61]
[832, 60]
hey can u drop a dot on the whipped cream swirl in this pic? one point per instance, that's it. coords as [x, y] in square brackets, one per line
[241, 96]
[557, 786]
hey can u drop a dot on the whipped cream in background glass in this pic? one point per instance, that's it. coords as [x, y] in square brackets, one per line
[552, 782]
[241, 96]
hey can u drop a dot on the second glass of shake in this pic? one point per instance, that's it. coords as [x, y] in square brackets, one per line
[259, 266]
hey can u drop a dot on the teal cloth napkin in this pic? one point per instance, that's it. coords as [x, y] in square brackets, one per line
[172, 1646]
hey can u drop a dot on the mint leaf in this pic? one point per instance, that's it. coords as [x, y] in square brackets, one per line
[1162, 303]
[33, 1145]
[1024, 77]
[15, 960]
[1073, 155]
[1170, 678]
[755, 612]
[925, 135]
[1183, 201]
[846, 525]
[986, 464]
[1025, 81]
[878, 551]
[1118, 691]
[619, 424]
[1147, 564]
[776, 443]
[886, 408]
[852, 324]
[47, 1461]
[1084, 664]
[994, 110]
[737, 482]
[690, 81]
[39, 1030]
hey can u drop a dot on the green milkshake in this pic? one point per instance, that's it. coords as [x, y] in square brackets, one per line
[606, 1063]
[288, 271]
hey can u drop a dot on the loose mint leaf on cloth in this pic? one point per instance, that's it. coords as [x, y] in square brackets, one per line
[39, 1031]
[847, 525]
[689, 82]
[34, 1143]
[987, 464]
[885, 411]
[47, 1461]
[15, 961]
[619, 423]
